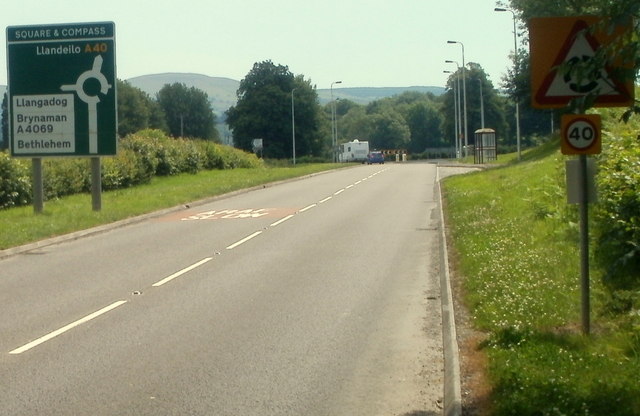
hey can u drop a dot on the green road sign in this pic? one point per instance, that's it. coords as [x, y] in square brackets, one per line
[62, 90]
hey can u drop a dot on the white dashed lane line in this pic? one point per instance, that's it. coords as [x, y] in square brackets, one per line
[175, 275]
[281, 220]
[244, 240]
[66, 328]
[307, 208]
[181, 272]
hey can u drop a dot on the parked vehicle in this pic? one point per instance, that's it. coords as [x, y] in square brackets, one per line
[354, 151]
[375, 157]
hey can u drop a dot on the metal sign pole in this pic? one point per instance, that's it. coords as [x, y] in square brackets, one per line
[584, 246]
[581, 136]
[38, 187]
[96, 184]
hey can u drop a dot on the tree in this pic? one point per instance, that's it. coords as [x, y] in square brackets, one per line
[137, 111]
[308, 120]
[389, 130]
[188, 112]
[355, 124]
[477, 84]
[533, 121]
[424, 120]
[542, 8]
[408, 121]
[264, 111]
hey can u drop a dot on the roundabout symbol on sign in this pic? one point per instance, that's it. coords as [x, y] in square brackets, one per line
[581, 134]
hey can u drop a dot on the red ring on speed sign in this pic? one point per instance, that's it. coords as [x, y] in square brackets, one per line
[581, 134]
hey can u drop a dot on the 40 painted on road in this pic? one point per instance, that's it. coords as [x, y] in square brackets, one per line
[234, 214]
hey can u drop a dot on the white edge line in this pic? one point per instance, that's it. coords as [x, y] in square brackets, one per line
[307, 207]
[181, 272]
[244, 240]
[281, 220]
[66, 328]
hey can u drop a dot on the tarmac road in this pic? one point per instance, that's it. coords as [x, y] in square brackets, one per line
[319, 296]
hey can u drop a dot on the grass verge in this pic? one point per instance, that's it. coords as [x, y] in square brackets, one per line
[21, 226]
[516, 243]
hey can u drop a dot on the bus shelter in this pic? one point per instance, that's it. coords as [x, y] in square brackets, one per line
[485, 148]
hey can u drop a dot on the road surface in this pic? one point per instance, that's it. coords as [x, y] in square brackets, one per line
[318, 296]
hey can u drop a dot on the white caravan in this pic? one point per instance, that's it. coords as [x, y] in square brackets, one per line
[355, 151]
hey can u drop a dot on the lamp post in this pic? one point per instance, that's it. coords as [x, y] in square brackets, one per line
[456, 117]
[334, 132]
[464, 97]
[515, 64]
[335, 114]
[458, 109]
[293, 127]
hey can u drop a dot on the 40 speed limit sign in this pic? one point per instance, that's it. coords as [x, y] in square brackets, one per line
[580, 134]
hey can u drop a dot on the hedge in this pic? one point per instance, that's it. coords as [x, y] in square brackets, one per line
[617, 215]
[141, 156]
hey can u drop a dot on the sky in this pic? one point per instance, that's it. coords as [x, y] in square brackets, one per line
[363, 43]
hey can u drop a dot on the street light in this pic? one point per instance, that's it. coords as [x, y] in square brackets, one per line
[458, 109]
[515, 64]
[464, 98]
[293, 127]
[455, 118]
[334, 131]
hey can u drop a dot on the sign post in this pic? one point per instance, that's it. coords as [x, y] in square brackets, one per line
[62, 92]
[564, 51]
[581, 136]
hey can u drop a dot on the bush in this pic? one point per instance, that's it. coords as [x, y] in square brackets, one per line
[618, 213]
[311, 159]
[232, 158]
[140, 157]
[122, 171]
[143, 148]
[213, 156]
[15, 186]
[65, 177]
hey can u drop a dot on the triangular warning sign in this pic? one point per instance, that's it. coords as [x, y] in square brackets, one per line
[558, 88]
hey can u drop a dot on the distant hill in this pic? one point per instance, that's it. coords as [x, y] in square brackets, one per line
[365, 95]
[222, 91]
